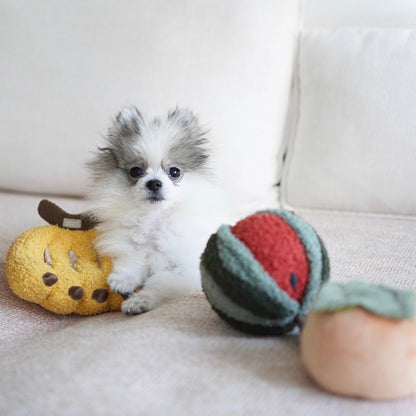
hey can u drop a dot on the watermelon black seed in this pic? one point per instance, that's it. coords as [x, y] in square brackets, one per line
[293, 280]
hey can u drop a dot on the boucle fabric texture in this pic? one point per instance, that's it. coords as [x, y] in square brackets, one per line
[250, 272]
[58, 269]
[279, 250]
[182, 359]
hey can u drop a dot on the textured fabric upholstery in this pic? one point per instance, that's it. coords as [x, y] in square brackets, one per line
[181, 358]
[353, 146]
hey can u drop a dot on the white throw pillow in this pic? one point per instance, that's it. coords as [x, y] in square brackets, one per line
[67, 67]
[354, 141]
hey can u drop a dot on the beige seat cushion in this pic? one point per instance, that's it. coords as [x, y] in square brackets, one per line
[181, 359]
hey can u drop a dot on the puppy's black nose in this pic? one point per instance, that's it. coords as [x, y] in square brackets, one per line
[154, 185]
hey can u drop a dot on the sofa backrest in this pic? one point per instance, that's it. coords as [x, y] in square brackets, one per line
[68, 67]
[358, 13]
[351, 142]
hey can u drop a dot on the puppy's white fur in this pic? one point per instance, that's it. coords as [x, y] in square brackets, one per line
[154, 237]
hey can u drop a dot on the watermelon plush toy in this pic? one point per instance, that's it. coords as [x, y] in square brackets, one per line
[262, 274]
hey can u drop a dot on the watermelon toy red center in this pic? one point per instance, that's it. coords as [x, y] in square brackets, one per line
[277, 247]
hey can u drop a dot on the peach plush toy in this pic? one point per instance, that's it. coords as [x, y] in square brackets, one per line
[360, 340]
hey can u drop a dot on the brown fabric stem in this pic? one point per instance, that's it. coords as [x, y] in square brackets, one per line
[55, 215]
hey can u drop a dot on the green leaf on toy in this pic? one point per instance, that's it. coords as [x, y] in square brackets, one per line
[378, 299]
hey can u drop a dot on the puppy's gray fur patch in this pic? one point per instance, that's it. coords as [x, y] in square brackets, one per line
[127, 123]
[189, 150]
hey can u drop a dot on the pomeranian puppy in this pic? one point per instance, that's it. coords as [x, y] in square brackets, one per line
[156, 204]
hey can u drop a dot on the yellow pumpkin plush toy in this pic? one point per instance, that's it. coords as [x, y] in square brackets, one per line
[56, 266]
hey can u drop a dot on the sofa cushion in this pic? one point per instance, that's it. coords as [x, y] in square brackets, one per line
[70, 66]
[353, 145]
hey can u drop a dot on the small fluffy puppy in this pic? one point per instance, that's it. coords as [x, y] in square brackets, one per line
[156, 205]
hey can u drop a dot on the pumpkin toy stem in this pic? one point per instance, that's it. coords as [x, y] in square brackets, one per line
[55, 215]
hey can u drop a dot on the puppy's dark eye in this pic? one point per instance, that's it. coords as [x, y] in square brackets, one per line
[135, 172]
[174, 173]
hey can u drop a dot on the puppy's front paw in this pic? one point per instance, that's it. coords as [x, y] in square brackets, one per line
[122, 283]
[138, 303]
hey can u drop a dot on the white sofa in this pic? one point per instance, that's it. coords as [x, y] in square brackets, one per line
[316, 97]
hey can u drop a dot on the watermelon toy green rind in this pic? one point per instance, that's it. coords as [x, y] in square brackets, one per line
[326, 266]
[260, 328]
[227, 270]
[378, 299]
[238, 316]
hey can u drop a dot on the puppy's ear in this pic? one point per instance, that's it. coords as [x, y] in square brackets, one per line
[128, 123]
[184, 117]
